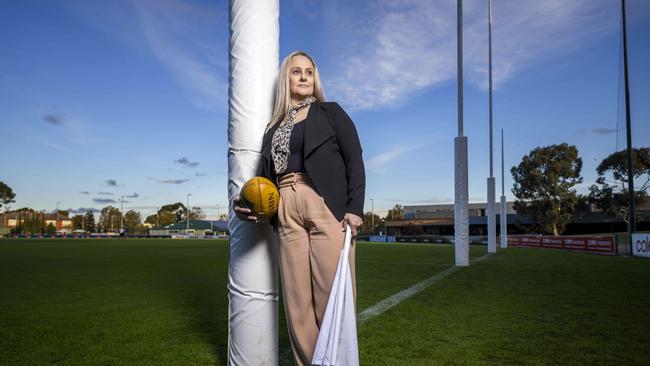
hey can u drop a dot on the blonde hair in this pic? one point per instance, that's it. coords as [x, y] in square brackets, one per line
[283, 92]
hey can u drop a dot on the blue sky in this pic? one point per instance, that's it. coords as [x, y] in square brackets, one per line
[129, 98]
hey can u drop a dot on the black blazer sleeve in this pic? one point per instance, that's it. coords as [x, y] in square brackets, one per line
[348, 139]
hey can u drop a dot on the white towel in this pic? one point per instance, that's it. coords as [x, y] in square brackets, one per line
[337, 339]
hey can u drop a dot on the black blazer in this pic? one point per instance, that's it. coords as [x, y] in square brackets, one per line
[332, 157]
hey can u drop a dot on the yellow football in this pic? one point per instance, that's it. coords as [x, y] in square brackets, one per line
[261, 196]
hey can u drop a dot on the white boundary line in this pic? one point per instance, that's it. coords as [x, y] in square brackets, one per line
[389, 302]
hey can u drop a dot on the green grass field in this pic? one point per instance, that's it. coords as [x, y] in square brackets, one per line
[164, 302]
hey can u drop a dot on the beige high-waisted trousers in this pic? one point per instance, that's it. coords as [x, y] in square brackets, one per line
[311, 241]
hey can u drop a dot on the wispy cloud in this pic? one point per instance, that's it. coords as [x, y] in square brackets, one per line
[396, 49]
[105, 193]
[182, 36]
[378, 162]
[186, 162]
[111, 182]
[53, 119]
[173, 181]
[134, 195]
[604, 131]
[82, 210]
[200, 174]
[102, 201]
[84, 192]
[73, 129]
[52, 145]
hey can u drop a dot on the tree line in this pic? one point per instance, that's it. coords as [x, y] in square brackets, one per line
[544, 188]
[110, 217]
[545, 180]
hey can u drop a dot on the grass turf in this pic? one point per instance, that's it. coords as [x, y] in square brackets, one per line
[154, 302]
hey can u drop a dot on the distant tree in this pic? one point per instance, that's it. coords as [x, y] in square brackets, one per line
[51, 229]
[63, 214]
[395, 213]
[152, 219]
[171, 213]
[78, 222]
[610, 193]
[367, 226]
[132, 221]
[543, 183]
[110, 218]
[7, 195]
[197, 214]
[582, 206]
[167, 217]
[31, 221]
[89, 221]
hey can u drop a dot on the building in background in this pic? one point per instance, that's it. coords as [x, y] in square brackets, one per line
[438, 220]
[12, 219]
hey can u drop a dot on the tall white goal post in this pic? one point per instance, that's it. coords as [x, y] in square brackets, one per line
[252, 267]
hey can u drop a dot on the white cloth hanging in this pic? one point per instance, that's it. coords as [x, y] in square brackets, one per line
[337, 339]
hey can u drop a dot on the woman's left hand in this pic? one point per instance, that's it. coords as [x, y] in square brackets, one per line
[353, 220]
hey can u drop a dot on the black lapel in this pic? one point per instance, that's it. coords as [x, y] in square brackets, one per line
[318, 129]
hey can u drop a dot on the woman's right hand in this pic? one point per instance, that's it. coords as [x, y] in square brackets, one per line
[241, 211]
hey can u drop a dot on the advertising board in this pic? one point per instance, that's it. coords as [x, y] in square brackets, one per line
[641, 245]
[590, 244]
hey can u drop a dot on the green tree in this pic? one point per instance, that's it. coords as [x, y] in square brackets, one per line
[110, 218]
[132, 221]
[196, 213]
[50, 230]
[30, 221]
[543, 183]
[152, 219]
[367, 226]
[610, 193]
[172, 213]
[78, 222]
[7, 195]
[395, 213]
[89, 221]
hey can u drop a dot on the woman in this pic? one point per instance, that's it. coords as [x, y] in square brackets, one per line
[312, 150]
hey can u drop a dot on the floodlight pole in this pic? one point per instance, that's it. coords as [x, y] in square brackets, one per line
[122, 213]
[372, 216]
[491, 219]
[628, 126]
[502, 207]
[187, 210]
[461, 214]
[56, 224]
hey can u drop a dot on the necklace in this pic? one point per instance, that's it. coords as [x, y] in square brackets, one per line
[280, 142]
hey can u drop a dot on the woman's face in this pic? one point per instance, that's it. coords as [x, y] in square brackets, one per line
[301, 77]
